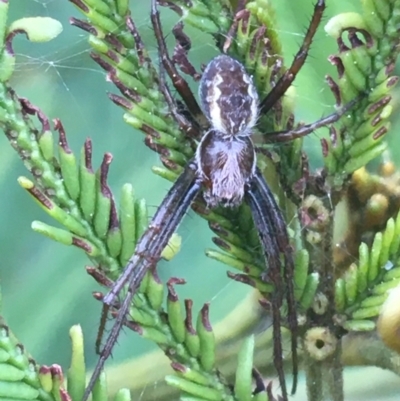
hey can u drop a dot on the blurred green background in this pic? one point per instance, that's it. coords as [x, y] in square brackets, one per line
[44, 285]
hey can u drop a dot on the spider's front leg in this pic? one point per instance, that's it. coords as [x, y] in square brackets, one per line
[147, 254]
[271, 227]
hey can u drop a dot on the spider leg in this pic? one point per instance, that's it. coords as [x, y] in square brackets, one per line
[241, 4]
[181, 50]
[280, 233]
[191, 128]
[288, 77]
[147, 254]
[290, 135]
[272, 255]
[179, 83]
[272, 230]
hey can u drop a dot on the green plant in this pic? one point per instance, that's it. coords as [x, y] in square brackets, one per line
[339, 297]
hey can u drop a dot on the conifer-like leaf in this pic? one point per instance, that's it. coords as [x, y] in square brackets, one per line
[22, 379]
[367, 62]
[365, 286]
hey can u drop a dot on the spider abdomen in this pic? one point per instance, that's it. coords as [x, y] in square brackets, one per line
[228, 97]
[225, 166]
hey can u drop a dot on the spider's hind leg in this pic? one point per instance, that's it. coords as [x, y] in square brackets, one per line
[177, 80]
[299, 59]
[178, 110]
[181, 51]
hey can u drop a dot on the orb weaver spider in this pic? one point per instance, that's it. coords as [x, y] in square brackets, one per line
[224, 171]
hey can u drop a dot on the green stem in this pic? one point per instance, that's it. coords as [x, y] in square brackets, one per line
[313, 380]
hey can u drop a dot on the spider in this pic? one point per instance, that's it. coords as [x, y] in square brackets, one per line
[225, 171]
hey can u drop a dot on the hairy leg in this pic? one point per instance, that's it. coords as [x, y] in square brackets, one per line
[147, 254]
[290, 74]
